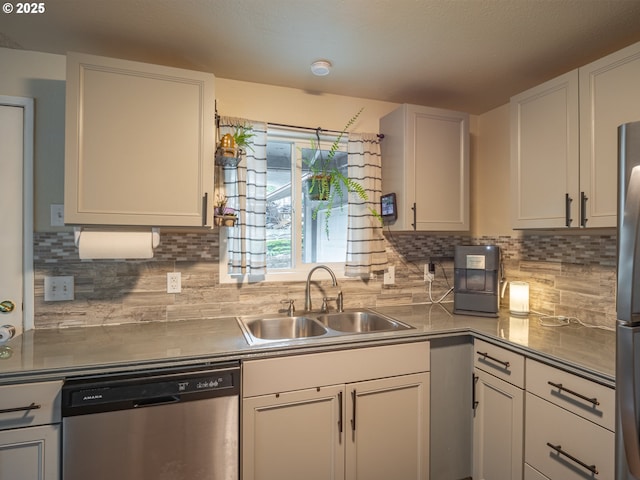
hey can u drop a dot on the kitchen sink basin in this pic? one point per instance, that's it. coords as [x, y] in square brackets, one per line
[360, 322]
[273, 328]
[281, 328]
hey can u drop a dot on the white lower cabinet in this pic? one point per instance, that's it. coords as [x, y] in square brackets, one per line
[498, 420]
[497, 429]
[294, 435]
[569, 425]
[30, 431]
[30, 453]
[538, 422]
[387, 432]
[363, 429]
[564, 446]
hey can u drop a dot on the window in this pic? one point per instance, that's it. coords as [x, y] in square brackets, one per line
[296, 235]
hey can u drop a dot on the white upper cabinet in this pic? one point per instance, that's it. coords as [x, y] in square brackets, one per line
[139, 143]
[564, 146]
[544, 154]
[425, 161]
[609, 97]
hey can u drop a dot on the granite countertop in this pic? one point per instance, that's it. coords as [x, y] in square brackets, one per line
[44, 354]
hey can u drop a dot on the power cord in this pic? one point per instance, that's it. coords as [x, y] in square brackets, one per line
[419, 271]
[545, 320]
[441, 299]
[430, 282]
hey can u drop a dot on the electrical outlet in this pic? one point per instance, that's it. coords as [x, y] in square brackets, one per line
[428, 276]
[58, 288]
[390, 275]
[174, 282]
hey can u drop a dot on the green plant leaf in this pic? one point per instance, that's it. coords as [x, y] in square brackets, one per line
[242, 136]
[327, 183]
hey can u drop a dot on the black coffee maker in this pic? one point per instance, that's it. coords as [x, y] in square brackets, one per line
[476, 286]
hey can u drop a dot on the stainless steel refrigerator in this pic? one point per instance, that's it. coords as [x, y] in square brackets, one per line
[628, 305]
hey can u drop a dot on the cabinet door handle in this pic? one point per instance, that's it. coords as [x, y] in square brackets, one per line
[415, 217]
[157, 401]
[205, 206]
[567, 210]
[353, 415]
[340, 413]
[485, 356]
[558, 448]
[33, 406]
[562, 388]
[583, 209]
[474, 380]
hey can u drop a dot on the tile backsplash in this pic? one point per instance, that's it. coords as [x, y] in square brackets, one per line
[569, 275]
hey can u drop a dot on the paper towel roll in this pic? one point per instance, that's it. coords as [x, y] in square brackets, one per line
[115, 244]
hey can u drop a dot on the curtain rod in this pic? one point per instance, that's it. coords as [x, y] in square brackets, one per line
[217, 118]
[379, 135]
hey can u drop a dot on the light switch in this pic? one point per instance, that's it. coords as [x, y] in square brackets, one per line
[57, 215]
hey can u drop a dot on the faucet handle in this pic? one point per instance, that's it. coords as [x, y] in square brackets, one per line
[325, 304]
[339, 303]
[289, 307]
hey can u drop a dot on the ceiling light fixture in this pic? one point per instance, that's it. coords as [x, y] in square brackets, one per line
[321, 68]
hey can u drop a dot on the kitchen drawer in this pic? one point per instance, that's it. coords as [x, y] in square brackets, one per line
[585, 441]
[29, 404]
[583, 397]
[502, 363]
[531, 473]
[283, 374]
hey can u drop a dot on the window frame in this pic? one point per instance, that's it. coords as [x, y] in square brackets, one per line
[301, 270]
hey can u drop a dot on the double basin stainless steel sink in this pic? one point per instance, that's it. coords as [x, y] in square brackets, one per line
[262, 329]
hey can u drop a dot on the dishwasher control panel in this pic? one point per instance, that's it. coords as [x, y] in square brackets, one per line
[92, 395]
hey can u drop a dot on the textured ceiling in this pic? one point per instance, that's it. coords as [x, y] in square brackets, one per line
[468, 55]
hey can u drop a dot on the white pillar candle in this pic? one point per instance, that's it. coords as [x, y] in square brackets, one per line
[519, 298]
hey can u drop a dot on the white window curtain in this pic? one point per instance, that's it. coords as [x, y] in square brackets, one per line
[246, 189]
[365, 242]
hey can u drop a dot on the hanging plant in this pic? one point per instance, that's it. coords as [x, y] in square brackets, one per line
[233, 146]
[326, 182]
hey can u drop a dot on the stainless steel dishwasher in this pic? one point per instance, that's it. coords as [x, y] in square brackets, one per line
[179, 424]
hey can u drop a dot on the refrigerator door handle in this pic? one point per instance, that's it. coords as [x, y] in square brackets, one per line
[626, 397]
[629, 251]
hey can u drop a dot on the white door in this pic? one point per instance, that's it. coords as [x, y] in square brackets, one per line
[387, 428]
[498, 425]
[16, 212]
[294, 435]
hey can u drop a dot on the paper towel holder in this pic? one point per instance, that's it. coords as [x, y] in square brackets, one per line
[7, 332]
[155, 236]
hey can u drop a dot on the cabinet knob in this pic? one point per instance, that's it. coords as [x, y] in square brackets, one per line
[7, 306]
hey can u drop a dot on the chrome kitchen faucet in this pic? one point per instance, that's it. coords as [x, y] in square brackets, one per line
[307, 292]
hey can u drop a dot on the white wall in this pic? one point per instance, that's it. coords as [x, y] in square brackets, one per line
[296, 107]
[40, 76]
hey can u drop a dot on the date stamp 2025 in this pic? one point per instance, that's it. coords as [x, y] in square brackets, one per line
[23, 8]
